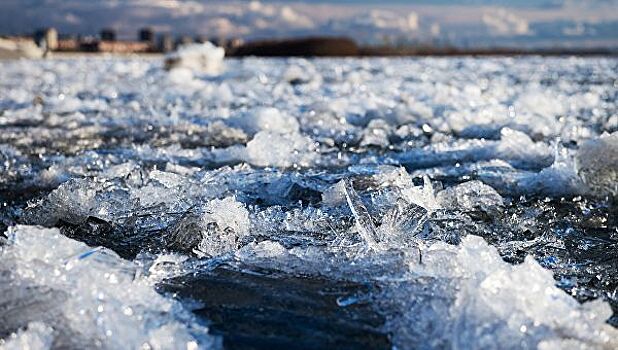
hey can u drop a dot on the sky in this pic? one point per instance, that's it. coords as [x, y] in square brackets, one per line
[470, 23]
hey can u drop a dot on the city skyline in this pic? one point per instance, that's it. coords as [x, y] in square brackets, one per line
[481, 23]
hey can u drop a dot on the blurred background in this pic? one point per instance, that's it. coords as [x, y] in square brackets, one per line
[394, 26]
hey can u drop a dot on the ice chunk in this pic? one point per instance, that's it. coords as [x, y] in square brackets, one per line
[423, 196]
[280, 150]
[364, 223]
[517, 147]
[102, 298]
[499, 301]
[470, 195]
[402, 225]
[206, 58]
[73, 202]
[225, 223]
[391, 176]
[183, 76]
[376, 134]
[268, 118]
[127, 213]
[597, 164]
[560, 179]
[335, 195]
[301, 73]
[213, 230]
[176, 192]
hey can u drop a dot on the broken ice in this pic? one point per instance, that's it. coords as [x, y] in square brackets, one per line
[471, 202]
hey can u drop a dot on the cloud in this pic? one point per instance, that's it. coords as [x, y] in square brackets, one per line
[71, 18]
[376, 25]
[504, 23]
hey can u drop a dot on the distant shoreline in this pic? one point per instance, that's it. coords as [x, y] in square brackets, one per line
[416, 52]
[310, 46]
[340, 47]
[480, 54]
[373, 55]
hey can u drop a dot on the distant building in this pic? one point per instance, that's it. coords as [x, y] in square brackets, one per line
[123, 46]
[89, 44]
[108, 34]
[47, 38]
[147, 35]
[165, 43]
[39, 38]
[68, 44]
[235, 42]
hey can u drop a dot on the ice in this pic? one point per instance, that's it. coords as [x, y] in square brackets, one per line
[597, 164]
[136, 207]
[486, 302]
[364, 222]
[38, 336]
[220, 227]
[268, 119]
[376, 134]
[204, 58]
[402, 225]
[559, 179]
[517, 148]
[423, 196]
[269, 148]
[73, 202]
[99, 298]
[471, 195]
[514, 147]
[496, 302]
[470, 200]
[335, 195]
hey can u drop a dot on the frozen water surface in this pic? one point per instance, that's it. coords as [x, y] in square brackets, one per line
[456, 203]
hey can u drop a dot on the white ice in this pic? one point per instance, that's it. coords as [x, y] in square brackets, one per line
[97, 298]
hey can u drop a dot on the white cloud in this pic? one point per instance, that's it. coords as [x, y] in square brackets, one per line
[376, 25]
[502, 22]
[72, 19]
